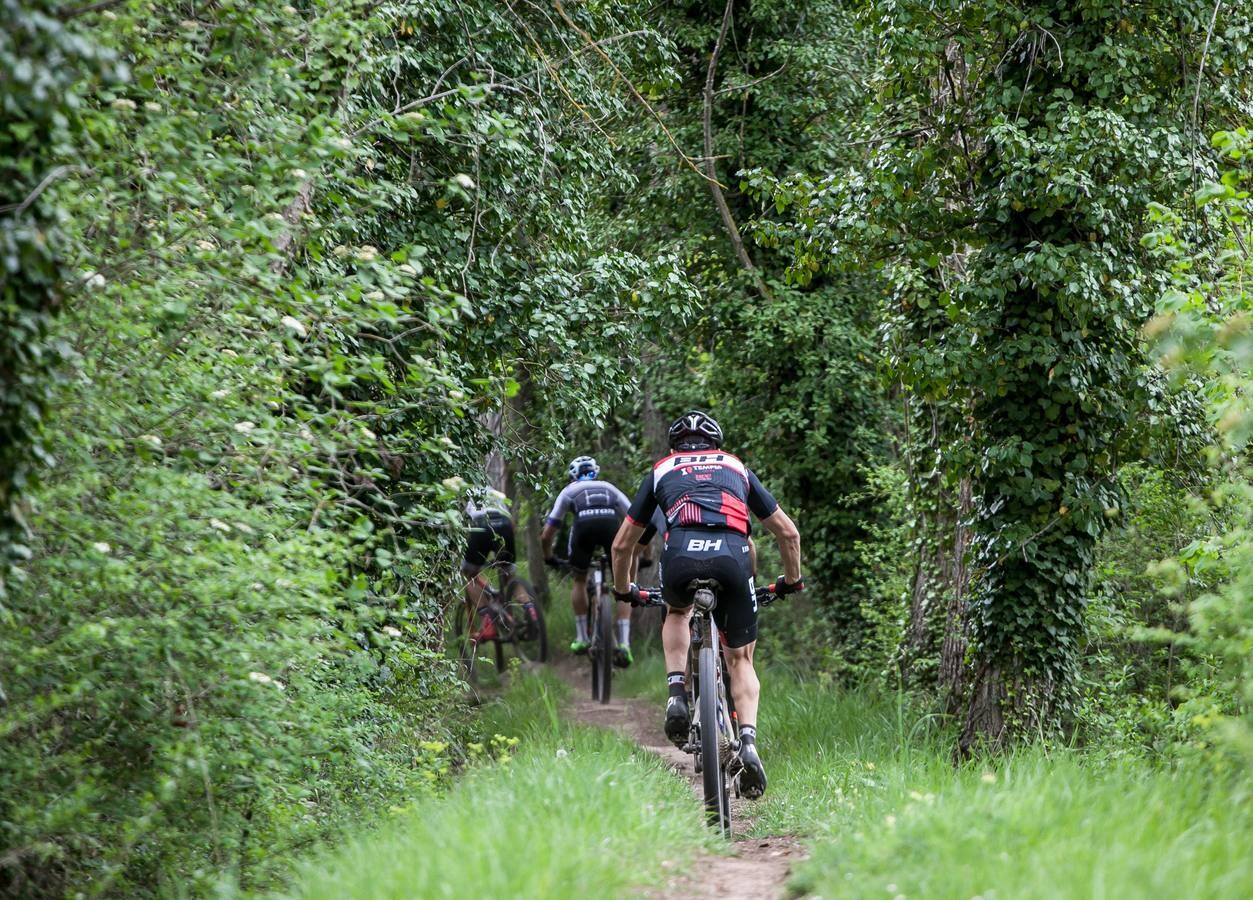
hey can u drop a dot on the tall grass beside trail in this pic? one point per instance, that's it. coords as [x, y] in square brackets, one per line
[890, 816]
[576, 812]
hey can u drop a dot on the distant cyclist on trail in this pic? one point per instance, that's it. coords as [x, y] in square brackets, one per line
[598, 508]
[706, 496]
[491, 537]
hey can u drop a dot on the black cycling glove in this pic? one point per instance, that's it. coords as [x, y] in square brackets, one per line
[782, 588]
[631, 595]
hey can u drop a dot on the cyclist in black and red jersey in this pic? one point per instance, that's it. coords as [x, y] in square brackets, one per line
[706, 496]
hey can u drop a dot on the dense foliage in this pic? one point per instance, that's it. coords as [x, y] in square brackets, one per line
[967, 285]
[1007, 215]
[305, 249]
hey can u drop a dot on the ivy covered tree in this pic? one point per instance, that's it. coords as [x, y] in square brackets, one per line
[1006, 202]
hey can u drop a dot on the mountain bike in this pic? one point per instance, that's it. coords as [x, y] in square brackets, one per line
[519, 620]
[714, 734]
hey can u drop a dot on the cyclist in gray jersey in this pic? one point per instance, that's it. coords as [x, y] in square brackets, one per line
[597, 508]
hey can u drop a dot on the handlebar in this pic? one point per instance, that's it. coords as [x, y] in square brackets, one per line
[765, 595]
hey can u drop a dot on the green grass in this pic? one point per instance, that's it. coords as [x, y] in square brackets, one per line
[889, 815]
[576, 812]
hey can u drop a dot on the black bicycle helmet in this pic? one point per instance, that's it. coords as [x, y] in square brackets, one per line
[695, 430]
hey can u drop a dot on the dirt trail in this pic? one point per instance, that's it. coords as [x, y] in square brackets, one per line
[760, 866]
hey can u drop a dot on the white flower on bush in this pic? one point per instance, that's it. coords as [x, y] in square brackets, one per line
[367, 253]
[391, 631]
[407, 269]
[294, 324]
[340, 251]
[220, 525]
[455, 484]
[368, 434]
[220, 394]
[374, 296]
[262, 678]
[151, 440]
[124, 103]
[101, 547]
[289, 10]
[245, 427]
[94, 280]
[464, 180]
[299, 174]
[152, 106]
[205, 245]
[562, 753]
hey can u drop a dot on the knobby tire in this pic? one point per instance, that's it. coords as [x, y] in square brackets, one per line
[604, 628]
[717, 802]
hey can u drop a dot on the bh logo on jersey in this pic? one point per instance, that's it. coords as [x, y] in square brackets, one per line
[703, 545]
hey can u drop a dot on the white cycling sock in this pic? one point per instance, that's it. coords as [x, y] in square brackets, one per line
[580, 628]
[624, 632]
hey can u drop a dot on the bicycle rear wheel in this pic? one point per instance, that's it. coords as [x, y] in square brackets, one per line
[604, 638]
[713, 776]
[530, 634]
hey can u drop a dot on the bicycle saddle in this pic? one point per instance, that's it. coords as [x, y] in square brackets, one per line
[704, 592]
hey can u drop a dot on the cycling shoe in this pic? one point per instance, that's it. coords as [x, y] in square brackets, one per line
[678, 720]
[753, 775]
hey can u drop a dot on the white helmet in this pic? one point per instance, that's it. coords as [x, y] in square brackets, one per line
[583, 467]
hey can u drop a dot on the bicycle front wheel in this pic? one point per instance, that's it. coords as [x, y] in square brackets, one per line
[713, 776]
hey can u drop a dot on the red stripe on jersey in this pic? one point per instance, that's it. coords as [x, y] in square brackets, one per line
[736, 511]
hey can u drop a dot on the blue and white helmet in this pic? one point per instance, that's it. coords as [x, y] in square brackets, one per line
[583, 467]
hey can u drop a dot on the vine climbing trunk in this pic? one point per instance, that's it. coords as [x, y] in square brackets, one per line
[520, 482]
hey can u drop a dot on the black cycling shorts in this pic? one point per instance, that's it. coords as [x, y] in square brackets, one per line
[489, 535]
[723, 556]
[587, 535]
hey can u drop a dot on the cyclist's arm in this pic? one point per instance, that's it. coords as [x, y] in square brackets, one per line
[780, 524]
[553, 522]
[629, 532]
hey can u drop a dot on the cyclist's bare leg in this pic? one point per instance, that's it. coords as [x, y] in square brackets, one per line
[578, 593]
[676, 635]
[745, 688]
[476, 586]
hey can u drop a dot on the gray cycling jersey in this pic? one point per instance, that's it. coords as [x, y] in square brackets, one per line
[589, 500]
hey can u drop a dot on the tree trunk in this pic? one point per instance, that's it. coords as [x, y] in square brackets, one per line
[519, 481]
[956, 627]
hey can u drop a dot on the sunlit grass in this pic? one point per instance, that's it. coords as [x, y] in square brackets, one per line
[890, 815]
[577, 812]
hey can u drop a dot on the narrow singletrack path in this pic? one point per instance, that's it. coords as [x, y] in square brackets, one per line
[760, 866]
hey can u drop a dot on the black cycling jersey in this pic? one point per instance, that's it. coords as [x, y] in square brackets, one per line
[706, 488]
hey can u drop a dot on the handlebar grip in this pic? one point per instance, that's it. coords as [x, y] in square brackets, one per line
[649, 597]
